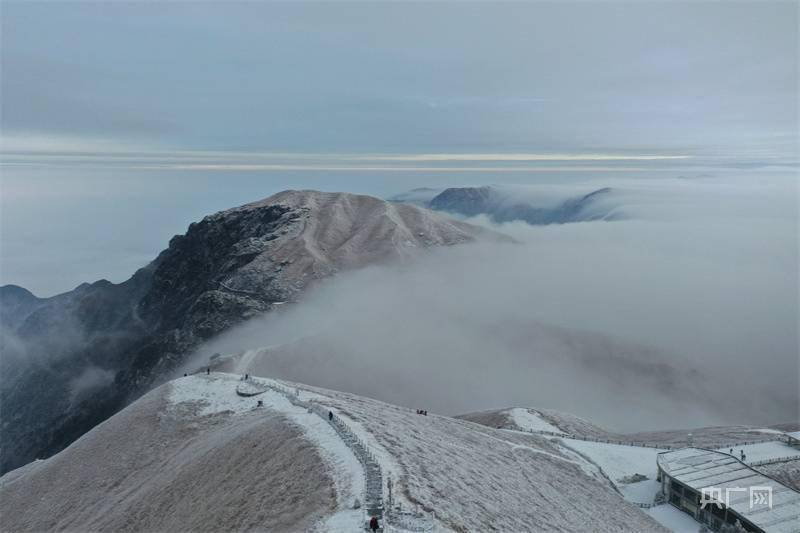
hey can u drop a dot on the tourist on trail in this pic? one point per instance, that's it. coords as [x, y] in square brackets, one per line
[373, 524]
[330, 415]
[731, 452]
[208, 371]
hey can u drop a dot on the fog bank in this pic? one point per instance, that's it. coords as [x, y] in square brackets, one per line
[683, 314]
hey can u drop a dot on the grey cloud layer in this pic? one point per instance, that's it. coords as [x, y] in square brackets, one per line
[408, 77]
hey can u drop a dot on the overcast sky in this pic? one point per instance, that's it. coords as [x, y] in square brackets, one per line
[367, 77]
[179, 109]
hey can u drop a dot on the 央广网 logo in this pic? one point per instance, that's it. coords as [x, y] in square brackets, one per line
[759, 496]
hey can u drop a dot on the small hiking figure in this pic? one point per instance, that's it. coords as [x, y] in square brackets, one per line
[731, 452]
[260, 403]
[373, 524]
[743, 455]
[330, 416]
[185, 375]
[246, 377]
[208, 371]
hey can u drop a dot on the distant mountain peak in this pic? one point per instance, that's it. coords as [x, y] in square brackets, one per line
[507, 204]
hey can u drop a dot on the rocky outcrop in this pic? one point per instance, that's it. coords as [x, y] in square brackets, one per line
[72, 360]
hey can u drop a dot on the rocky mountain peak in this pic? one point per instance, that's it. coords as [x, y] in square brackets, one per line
[226, 268]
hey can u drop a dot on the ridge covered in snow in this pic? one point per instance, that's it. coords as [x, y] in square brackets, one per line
[280, 467]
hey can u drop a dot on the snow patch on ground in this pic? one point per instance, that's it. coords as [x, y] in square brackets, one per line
[764, 451]
[641, 491]
[529, 420]
[768, 430]
[619, 461]
[214, 394]
[674, 519]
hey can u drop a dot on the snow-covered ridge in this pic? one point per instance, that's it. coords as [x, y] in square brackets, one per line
[442, 467]
[530, 420]
[200, 453]
[216, 395]
[283, 468]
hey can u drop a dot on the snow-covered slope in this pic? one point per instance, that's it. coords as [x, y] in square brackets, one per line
[194, 455]
[338, 231]
[537, 420]
[532, 420]
[706, 437]
[200, 463]
[628, 461]
[787, 472]
[471, 478]
[630, 469]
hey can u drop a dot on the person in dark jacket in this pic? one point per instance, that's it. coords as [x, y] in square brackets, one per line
[373, 524]
[330, 415]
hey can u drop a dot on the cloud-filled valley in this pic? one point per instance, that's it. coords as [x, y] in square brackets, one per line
[645, 322]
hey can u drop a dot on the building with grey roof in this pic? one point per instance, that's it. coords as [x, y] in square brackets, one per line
[718, 489]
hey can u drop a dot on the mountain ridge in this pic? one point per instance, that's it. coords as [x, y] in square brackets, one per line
[506, 204]
[206, 443]
[228, 267]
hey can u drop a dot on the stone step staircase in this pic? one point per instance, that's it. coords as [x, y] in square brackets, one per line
[395, 519]
[373, 475]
